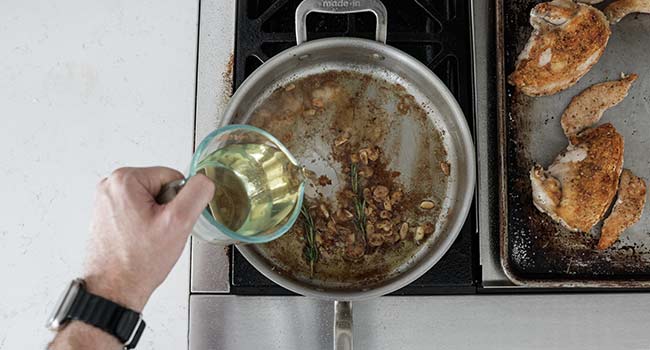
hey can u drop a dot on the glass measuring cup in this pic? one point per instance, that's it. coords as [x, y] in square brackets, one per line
[259, 186]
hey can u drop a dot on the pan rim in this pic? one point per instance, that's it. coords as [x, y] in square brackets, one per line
[464, 194]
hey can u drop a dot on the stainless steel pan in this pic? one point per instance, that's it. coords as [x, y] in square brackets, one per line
[387, 63]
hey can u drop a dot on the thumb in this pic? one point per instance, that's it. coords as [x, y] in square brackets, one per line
[193, 198]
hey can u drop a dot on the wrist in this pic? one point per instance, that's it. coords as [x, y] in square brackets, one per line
[79, 335]
[117, 291]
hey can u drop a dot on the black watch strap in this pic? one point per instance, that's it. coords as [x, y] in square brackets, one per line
[125, 324]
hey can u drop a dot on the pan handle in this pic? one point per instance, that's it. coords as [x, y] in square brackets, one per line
[342, 325]
[341, 6]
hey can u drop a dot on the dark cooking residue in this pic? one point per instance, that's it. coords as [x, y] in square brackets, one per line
[372, 221]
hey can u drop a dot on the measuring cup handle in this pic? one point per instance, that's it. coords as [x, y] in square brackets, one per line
[169, 191]
[343, 325]
[341, 6]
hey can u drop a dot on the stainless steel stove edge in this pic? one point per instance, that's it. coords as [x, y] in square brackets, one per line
[556, 321]
[209, 267]
[485, 97]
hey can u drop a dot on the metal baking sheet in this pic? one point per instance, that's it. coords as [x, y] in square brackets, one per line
[534, 250]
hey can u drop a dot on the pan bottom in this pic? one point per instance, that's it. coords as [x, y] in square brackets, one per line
[325, 119]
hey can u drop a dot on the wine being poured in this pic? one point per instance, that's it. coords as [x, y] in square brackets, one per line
[256, 186]
[259, 186]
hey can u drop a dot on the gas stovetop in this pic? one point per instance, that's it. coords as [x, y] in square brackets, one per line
[231, 306]
[236, 38]
[435, 32]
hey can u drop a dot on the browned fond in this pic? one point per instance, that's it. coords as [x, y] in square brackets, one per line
[349, 111]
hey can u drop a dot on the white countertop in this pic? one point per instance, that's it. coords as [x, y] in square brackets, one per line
[85, 87]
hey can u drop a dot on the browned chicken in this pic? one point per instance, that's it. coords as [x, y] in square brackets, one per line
[567, 40]
[627, 209]
[621, 8]
[579, 186]
[588, 107]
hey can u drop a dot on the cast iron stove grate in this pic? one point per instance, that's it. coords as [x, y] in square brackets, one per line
[436, 32]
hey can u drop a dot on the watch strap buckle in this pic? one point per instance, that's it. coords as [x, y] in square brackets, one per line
[134, 337]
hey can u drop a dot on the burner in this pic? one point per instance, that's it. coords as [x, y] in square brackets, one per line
[437, 33]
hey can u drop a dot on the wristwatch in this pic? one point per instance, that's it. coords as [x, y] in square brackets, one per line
[76, 303]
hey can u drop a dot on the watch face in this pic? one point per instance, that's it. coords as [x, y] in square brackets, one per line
[62, 306]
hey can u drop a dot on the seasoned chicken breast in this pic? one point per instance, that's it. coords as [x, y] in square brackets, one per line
[627, 209]
[588, 107]
[567, 40]
[579, 186]
[621, 8]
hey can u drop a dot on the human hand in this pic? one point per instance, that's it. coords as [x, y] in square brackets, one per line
[135, 241]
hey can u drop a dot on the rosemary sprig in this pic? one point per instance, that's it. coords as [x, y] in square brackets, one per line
[311, 250]
[359, 202]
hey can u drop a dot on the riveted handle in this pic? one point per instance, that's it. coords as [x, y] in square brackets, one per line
[341, 6]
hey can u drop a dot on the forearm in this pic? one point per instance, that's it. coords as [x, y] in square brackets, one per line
[135, 243]
[78, 335]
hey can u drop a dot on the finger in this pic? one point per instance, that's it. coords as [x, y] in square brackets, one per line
[193, 198]
[153, 178]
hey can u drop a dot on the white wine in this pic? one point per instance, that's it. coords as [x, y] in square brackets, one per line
[256, 187]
